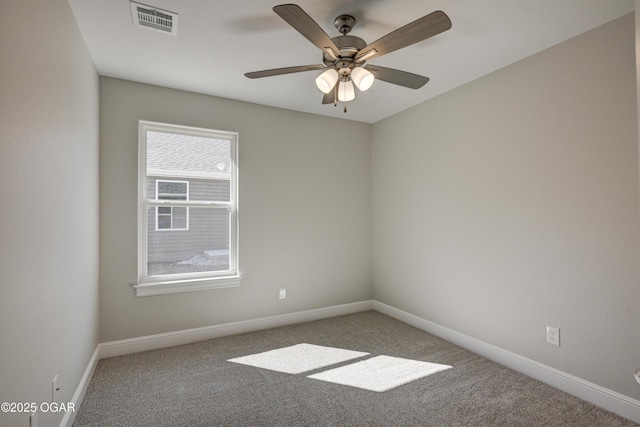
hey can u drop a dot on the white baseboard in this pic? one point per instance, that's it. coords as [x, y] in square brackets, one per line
[70, 416]
[152, 342]
[585, 390]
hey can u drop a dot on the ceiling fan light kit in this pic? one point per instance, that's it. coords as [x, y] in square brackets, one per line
[344, 56]
[346, 92]
[362, 78]
[327, 80]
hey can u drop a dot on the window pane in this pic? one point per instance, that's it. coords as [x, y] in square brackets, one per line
[204, 161]
[172, 187]
[203, 247]
[179, 217]
[164, 222]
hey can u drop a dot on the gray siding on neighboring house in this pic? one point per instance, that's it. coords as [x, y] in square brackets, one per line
[199, 189]
[208, 227]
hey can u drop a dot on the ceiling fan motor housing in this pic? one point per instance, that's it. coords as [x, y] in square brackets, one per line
[348, 45]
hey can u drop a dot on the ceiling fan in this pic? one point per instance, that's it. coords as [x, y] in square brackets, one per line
[344, 56]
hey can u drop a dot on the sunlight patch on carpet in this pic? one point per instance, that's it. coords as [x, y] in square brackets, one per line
[380, 373]
[298, 358]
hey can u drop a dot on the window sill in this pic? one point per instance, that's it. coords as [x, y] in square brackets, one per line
[178, 286]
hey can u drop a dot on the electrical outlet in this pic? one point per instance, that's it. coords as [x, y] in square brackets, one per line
[33, 419]
[553, 335]
[54, 389]
[283, 293]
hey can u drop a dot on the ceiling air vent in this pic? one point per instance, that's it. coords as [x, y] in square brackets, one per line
[154, 19]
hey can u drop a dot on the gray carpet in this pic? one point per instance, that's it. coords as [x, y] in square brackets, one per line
[195, 385]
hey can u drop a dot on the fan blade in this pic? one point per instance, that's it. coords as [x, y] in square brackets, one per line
[421, 29]
[330, 98]
[285, 70]
[305, 25]
[397, 77]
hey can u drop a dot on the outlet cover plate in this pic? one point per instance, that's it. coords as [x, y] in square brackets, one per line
[282, 294]
[553, 335]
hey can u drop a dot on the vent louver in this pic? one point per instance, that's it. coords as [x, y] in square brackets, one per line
[154, 18]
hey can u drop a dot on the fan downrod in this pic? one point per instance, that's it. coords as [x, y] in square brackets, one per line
[345, 23]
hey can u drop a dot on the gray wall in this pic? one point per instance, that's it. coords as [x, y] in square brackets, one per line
[637, 20]
[304, 208]
[48, 205]
[513, 204]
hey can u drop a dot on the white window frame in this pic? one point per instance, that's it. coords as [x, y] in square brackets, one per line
[158, 214]
[176, 283]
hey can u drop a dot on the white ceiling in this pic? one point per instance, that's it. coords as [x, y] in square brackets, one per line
[219, 40]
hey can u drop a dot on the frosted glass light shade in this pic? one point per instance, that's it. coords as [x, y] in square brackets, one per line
[327, 80]
[346, 92]
[362, 78]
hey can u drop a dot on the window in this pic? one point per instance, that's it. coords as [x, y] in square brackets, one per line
[172, 217]
[187, 212]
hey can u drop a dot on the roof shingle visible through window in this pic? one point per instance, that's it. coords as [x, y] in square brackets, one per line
[189, 154]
